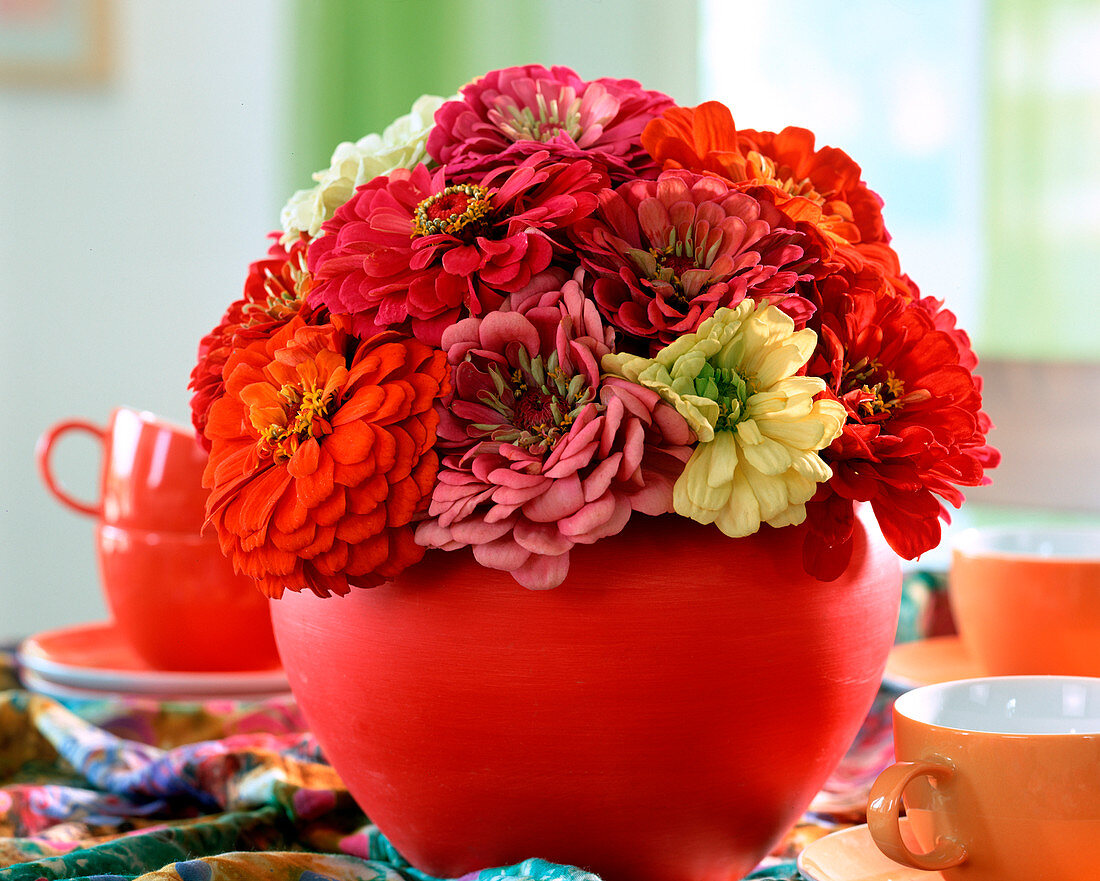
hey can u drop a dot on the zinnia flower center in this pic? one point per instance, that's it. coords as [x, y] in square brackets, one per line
[543, 122]
[463, 208]
[304, 415]
[673, 264]
[726, 387]
[537, 402]
[668, 265]
[876, 395]
[284, 294]
[783, 178]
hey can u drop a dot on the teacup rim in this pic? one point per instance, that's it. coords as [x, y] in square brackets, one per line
[973, 543]
[156, 536]
[151, 418]
[912, 695]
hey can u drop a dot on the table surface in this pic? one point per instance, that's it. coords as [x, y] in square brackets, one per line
[130, 787]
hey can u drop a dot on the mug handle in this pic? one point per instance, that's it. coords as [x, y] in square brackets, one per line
[883, 808]
[44, 450]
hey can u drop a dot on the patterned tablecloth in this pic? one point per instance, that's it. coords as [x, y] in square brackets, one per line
[130, 788]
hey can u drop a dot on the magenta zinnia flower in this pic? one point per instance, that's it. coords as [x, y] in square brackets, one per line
[546, 453]
[667, 253]
[510, 114]
[412, 251]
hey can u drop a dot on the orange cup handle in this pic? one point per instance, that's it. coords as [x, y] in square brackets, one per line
[44, 450]
[884, 806]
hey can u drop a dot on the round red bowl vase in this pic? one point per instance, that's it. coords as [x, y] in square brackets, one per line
[666, 714]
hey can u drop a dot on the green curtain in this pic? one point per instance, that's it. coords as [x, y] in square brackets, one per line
[359, 64]
[1041, 299]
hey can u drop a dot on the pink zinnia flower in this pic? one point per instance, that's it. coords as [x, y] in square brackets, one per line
[546, 452]
[510, 114]
[413, 251]
[667, 253]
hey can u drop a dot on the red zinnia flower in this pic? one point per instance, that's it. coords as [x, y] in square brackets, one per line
[274, 292]
[413, 251]
[915, 428]
[667, 253]
[508, 115]
[321, 456]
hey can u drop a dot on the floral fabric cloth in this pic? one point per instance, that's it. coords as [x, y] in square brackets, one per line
[128, 789]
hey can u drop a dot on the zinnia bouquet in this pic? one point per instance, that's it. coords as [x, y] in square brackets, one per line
[524, 315]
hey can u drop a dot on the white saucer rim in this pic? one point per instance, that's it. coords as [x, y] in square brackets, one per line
[31, 656]
[40, 685]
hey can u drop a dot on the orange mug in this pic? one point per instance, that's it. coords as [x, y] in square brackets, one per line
[151, 473]
[180, 605]
[1027, 600]
[999, 778]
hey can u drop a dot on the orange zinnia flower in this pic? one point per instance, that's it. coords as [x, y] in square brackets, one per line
[321, 456]
[705, 139]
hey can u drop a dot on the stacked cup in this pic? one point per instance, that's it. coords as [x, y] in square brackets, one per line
[171, 592]
[1027, 599]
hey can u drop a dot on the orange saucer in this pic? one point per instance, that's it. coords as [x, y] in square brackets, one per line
[852, 855]
[96, 657]
[928, 661]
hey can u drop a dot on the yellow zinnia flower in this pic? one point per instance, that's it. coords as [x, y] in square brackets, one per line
[759, 428]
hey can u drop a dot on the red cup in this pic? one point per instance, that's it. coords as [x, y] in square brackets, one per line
[171, 591]
[151, 474]
[177, 600]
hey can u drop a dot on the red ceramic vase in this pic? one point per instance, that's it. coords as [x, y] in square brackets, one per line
[666, 714]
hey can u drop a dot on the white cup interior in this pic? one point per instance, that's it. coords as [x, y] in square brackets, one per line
[1008, 705]
[1044, 542]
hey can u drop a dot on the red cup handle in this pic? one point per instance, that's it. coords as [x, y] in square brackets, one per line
[43, 451]
[883, 808]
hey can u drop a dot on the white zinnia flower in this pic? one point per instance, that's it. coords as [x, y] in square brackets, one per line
[401, 145]
[758, 425]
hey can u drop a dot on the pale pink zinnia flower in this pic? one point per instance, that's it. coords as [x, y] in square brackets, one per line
[667, 253]
[414, 251]
[509, 114]
[546, 452]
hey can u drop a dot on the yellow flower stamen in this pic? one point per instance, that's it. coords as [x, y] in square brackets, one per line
[455, 210]
[304, 415]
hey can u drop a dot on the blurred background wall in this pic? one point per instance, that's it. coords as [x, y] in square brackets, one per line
[132, 202]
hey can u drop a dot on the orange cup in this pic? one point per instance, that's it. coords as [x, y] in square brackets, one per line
[151, 472]
[1027, 600]
[998, 777]
[179, 603]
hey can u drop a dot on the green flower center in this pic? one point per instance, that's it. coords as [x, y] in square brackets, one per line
[463, 209]
[729, 389]
[537, 402]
